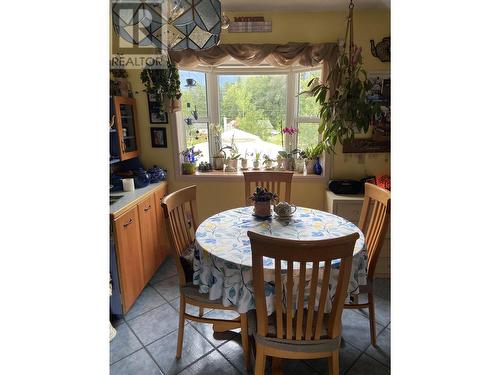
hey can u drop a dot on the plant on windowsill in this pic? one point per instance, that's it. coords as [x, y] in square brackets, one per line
[244, 162]
[120, 76]
[268, 162]
[256, 162]
[344, 105]
[312, 155]
[189, 160]
[288, 157]
[232, 159]
[164, 84]
[262, 201]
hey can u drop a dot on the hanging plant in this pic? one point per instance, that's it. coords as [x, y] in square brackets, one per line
[163, 83]
[344, 106]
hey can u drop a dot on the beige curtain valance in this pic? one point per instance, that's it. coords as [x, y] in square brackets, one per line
[304, 54]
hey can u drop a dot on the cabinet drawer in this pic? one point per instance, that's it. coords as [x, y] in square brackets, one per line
[348, 210]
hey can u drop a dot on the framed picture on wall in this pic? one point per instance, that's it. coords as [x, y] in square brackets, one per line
[159, 137]
[156, 115]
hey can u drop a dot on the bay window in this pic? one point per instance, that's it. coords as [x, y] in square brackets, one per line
[251, 105]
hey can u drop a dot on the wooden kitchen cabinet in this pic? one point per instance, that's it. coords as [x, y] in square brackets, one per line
[149, 235]
[126, 127]
[141, 242]
[130, 259]
[349, 207]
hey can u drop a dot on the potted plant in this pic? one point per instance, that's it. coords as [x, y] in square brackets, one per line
[215, 140]
[268, 162]
[244, 162]
[262, 201]
[312, 155]
[120, 76]
[219, 158]
[344, 105]
[289, 162]
[164, 84]
[189, 160]
[256, 162]
[231, 161]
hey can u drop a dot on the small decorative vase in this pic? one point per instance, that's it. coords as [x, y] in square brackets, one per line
[188, 168]
[256, 164]
[317, 167]
[290, 164]
[244, 163]
[262, 209]
[268, 164]
[299, 166]
[232, 165]
[310, 166]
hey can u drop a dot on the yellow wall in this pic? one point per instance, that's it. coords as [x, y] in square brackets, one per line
[314, 27]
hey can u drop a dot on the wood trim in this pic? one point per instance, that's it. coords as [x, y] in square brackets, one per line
[117, 100]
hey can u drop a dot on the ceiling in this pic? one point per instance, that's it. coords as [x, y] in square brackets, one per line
[304, 5]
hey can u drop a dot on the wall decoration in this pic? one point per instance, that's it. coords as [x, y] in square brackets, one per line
[159, 137]
[382, 50]
[156, 114]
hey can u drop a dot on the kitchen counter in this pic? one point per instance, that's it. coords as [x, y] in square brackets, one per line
[130, 198]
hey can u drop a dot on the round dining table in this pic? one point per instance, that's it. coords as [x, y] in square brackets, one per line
[223, 256]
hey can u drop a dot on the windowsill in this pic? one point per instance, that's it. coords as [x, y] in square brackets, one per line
[221, 175]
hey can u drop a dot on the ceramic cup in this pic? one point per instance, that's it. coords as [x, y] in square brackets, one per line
[128, 184]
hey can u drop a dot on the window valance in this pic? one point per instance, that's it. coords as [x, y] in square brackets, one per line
[304, 54]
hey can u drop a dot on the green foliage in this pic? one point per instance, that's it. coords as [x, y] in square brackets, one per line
[162, 82]
[313, 152]
[257, 103]
[261, 194]
[347, 108]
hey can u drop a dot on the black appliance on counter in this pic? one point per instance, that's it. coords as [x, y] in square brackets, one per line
[346, 186]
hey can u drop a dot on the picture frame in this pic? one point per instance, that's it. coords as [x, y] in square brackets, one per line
[158, 137]
[156, 116]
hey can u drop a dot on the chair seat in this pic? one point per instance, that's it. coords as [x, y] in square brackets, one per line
[191, 291]
[324, 344]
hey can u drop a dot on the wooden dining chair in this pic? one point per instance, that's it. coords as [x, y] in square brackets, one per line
[304, 332]
[271, 180]
[181, 212]
[373, 222]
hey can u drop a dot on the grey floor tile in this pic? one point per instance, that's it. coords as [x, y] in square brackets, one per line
[348, 355]
[147, 300]
[164, 350]
[167, 269]
[168, 288]
[207, 331]
[382, 288]
[123, 344]
[366, 365]
[138, 363]
[382, 309]
[214, 363]
[155, 323]
[294, 367]
[356, 329]
[382, 352]
[233, 351]
[190, 309]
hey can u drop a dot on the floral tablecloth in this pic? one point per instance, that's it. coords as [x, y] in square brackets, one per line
[223, 257]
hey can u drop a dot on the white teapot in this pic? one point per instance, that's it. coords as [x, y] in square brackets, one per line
[284, 209]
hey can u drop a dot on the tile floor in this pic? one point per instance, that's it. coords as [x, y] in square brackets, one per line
[147, 337]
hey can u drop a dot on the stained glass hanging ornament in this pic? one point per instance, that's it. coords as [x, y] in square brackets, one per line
[169, 24]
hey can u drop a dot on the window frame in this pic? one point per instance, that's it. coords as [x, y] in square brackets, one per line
[212, 94]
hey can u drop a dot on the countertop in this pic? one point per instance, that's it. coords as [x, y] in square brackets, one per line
[131, 197]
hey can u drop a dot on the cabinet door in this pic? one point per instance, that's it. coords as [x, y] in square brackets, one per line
[149, 235]
[128, 239]
[126, 126]
[163, 242]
